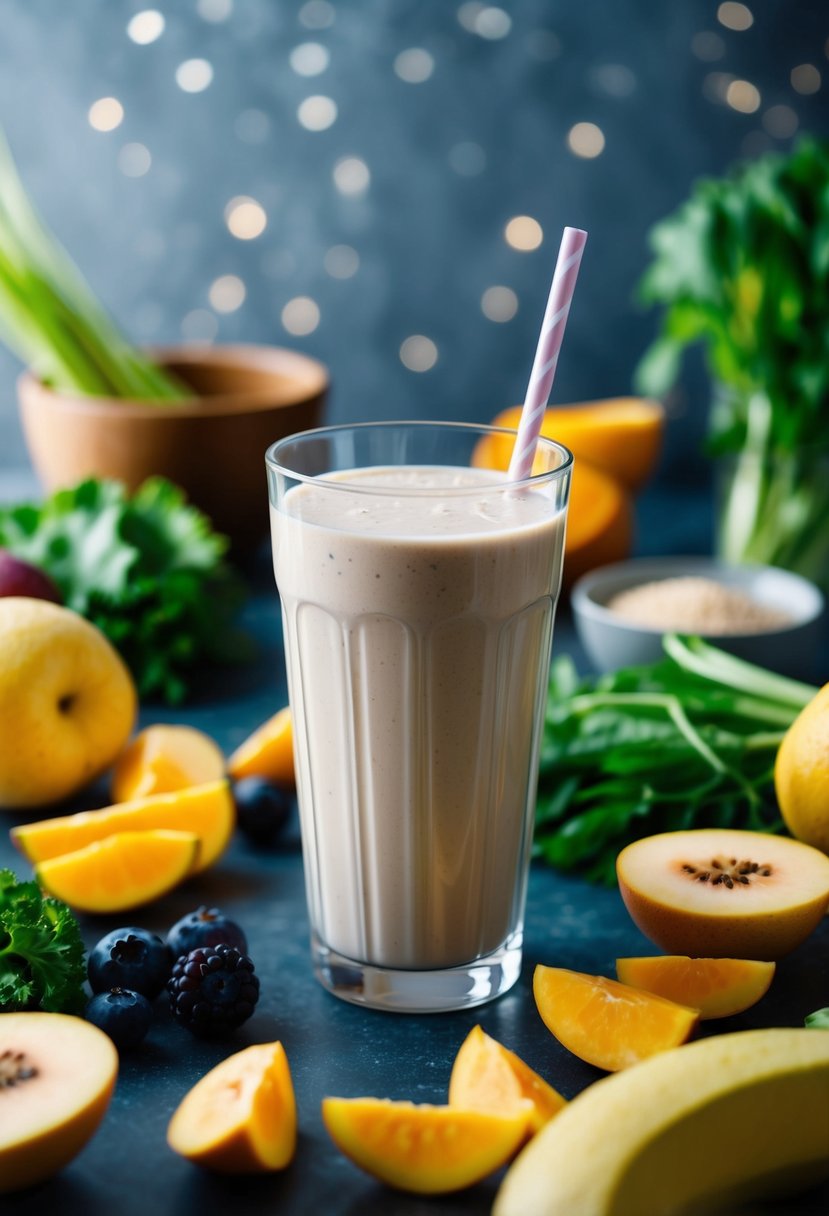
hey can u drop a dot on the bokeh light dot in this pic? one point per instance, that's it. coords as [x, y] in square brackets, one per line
[214, 11]
[194, 75]
[341, 261]
[414, 65]
[317, 15]
[586, 140]
[317, 113]
[735, 16]
[245, 218]
[523, 233]
[134, 160]
[499, 304]
[106, 114]
[301, 316]
[805, 79]
[227, 293]
[199, 325]
[351, 175]
[614, 79]
[467, 159]
[707, 46]
[543, 45]
[716, 85]
[492, 23]
[252, 126]
[418, 353]
[145, 27]
[781, 122]
[309, 59]
[743, 96]
[469, 13]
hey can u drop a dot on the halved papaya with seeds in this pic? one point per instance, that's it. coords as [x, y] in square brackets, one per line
[607, 1023]
[430, 1150]
[488, 1076]
[724, 893]
[717, 987]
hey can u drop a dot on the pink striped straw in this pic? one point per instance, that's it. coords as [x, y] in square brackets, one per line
[543, 372]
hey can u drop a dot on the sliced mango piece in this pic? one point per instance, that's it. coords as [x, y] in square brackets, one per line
[57, 1074]
[620, 436]
[241, 1116]
[205, 810]
[426, 1149]
[121, 872]
[709, 1127]
[268, 752]
[487, 1076]
[606, 1023]
[717, 987]
[164, 758]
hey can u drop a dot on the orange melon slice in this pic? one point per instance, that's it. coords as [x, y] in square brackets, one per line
[599, 522]
[487, 1076]
[164, 758]
[430, 1150]
[619, 436]
[607, 1023]
[717, 987]
[268, 752]
[205, 810]
[241, 1116]
[121, 872]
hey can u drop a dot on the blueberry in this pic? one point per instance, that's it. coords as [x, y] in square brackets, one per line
[130, 958]
[122, 1014]
[262, 809]
[205, 927]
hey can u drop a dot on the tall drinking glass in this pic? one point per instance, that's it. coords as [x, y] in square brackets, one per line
[418, 590]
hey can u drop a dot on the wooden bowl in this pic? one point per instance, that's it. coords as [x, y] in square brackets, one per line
[213, 446]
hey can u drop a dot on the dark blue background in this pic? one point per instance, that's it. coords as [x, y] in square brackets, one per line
[430, 239]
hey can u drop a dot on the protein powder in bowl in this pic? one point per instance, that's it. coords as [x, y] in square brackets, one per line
[760, 613]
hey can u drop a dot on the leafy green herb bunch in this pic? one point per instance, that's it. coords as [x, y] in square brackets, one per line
[742, 268]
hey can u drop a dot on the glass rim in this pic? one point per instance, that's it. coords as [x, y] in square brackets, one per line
[534, 479]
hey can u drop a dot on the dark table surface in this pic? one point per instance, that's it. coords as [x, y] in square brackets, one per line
[333, 1047]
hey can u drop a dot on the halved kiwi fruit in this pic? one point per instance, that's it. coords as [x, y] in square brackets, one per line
[721, 893]
[57, 1074]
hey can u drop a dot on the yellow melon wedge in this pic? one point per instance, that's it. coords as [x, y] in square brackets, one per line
[164, 758]
[121, 872]
[488, 1076]
[430, 1150]
[717, 987]
[241, 1116]
[205, 810]
[268, 752]
[606, 1023]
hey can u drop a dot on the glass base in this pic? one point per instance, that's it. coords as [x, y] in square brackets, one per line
[449, 988]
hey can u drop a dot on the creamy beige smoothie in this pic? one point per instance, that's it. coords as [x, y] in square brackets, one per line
[418, 609]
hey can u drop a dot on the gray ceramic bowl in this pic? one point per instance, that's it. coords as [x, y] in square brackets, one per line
[611, 641]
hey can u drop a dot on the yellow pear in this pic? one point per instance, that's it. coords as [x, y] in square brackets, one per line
[721, 1121]
[67, 702]
[801, 773]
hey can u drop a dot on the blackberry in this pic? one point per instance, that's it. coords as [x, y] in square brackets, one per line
[205, 927]
[124, 1015]
[262, 809]
[213, 990]
[130, 958]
